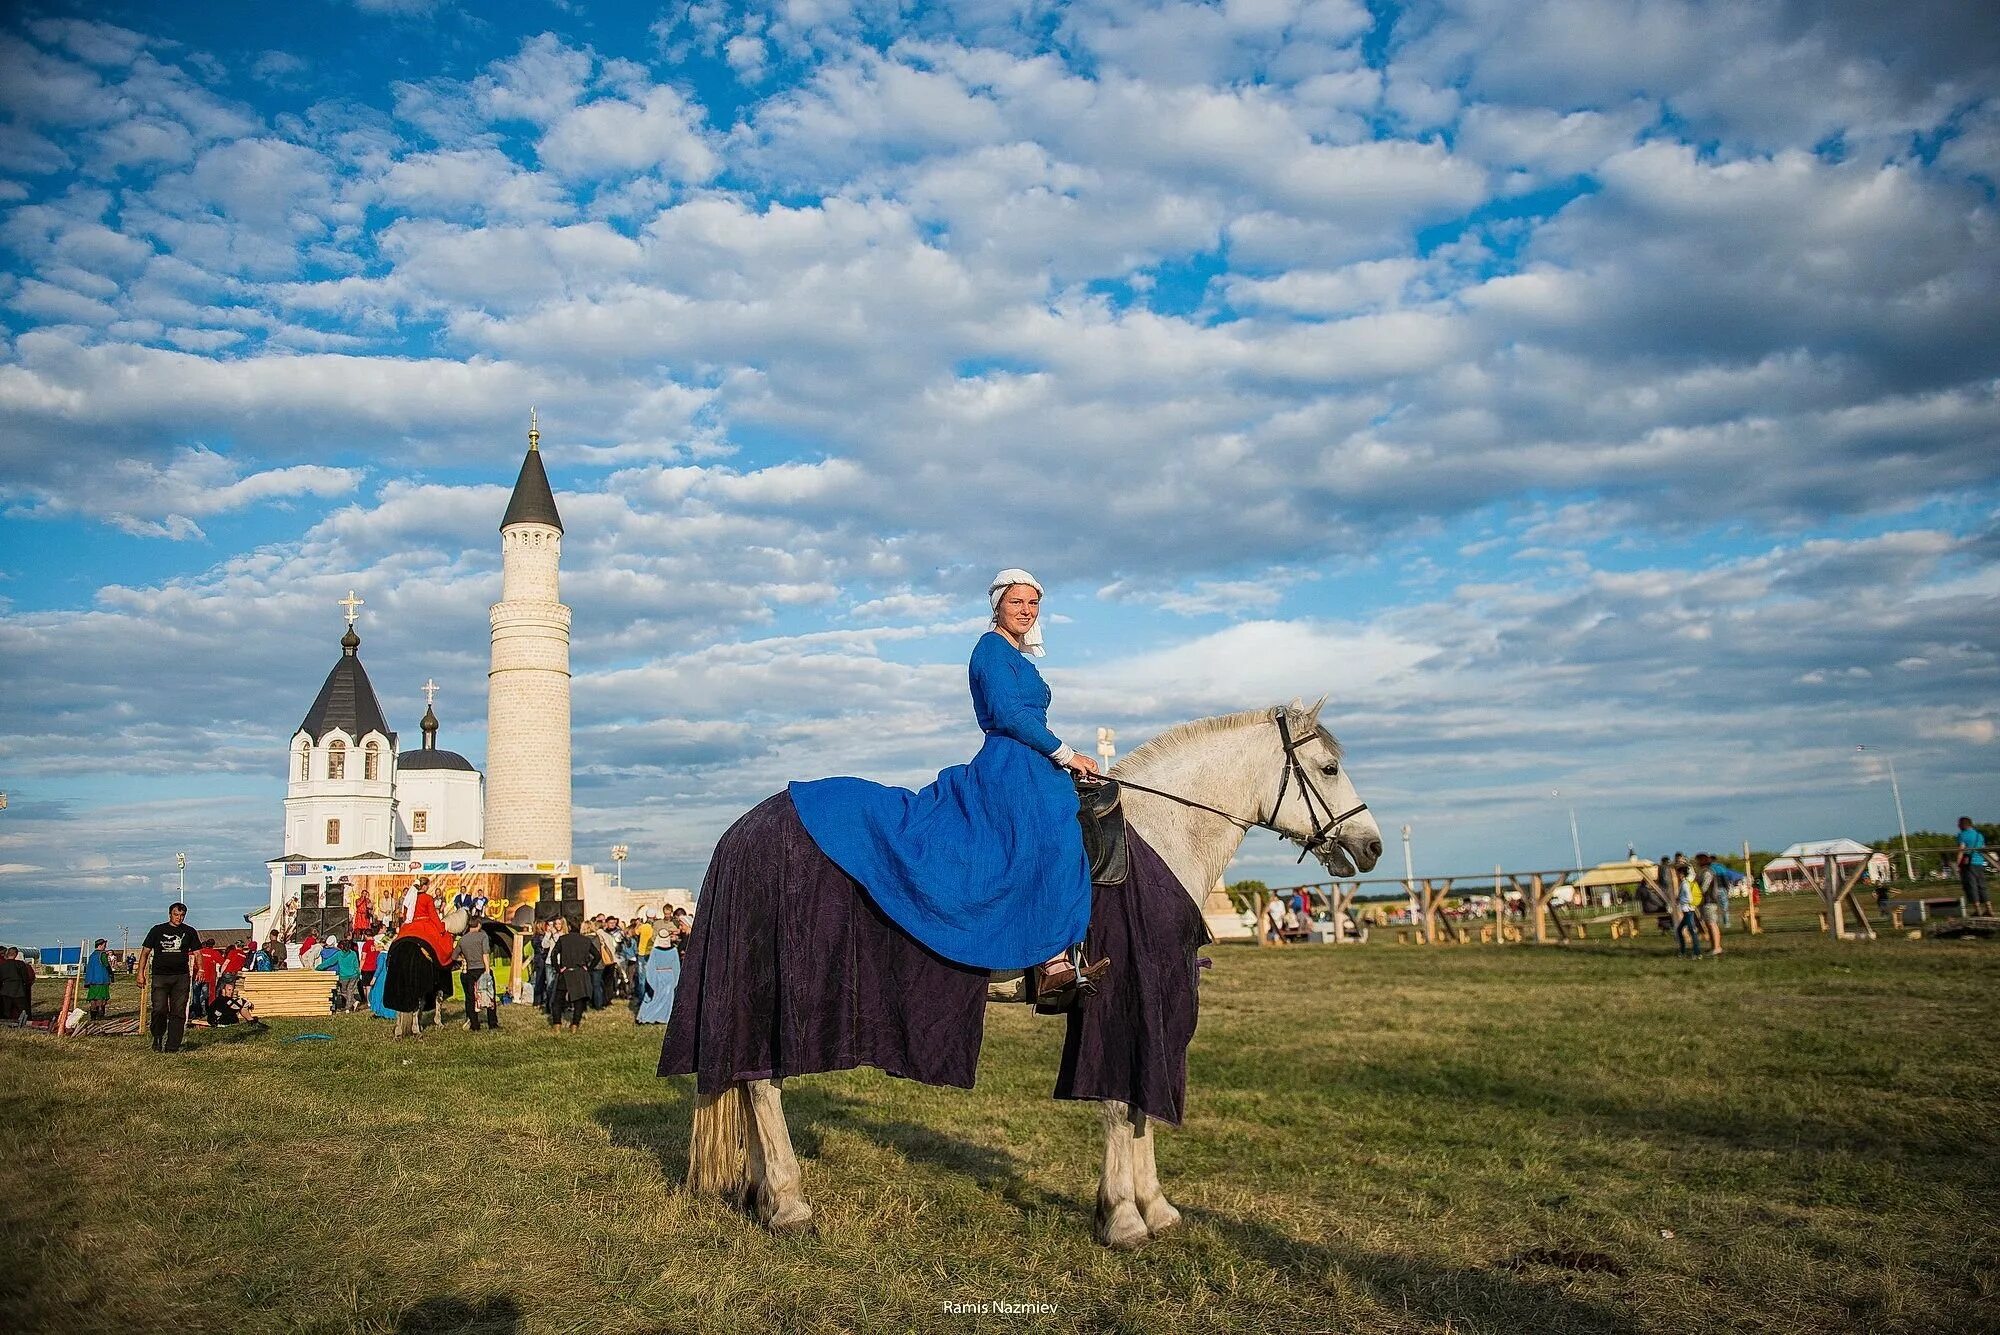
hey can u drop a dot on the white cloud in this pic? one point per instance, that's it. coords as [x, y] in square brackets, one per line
[661, 133]
[1554, 382]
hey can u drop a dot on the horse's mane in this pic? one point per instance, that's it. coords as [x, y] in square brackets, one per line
[1304, 722]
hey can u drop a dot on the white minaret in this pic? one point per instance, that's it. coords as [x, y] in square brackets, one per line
[527, 688]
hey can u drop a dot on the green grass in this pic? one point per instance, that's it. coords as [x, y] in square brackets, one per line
[1379, 1138]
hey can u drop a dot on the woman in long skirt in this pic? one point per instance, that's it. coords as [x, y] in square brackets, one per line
[657, 982]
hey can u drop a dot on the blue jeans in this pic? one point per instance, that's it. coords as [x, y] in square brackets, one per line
[1687, 933]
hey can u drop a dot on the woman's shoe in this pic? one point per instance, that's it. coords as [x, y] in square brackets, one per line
[1054, 976]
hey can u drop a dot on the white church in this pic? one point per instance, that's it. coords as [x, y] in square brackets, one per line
[361, 815]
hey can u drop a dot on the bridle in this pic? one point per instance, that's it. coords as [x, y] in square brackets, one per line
[1323, 830]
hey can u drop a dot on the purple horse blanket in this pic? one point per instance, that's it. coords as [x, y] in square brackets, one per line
[794, 970]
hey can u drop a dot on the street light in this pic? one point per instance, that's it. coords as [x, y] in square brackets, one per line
[1896, 789]
[1409, 872]
[619, 852]
[1106, 746]
[1575, 844]
[181, 866]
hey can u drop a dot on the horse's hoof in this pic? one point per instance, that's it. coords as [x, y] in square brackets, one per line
[791, 1220]
[1124, 1231]
[1161, 1217]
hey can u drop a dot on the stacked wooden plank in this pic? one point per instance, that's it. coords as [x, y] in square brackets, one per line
[285, 992]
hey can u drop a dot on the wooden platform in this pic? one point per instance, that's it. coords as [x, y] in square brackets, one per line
[287, 992]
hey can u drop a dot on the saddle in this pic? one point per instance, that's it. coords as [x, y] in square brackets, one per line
[1100, 810]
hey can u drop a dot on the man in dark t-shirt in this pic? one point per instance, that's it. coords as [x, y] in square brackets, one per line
[229, 1008]
[163, 976]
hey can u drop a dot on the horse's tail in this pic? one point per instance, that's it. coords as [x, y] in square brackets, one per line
[718, 1145]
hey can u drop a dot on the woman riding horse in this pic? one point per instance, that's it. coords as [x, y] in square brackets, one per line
[986, 865]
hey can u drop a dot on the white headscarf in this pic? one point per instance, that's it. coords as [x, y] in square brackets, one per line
[1031, 643]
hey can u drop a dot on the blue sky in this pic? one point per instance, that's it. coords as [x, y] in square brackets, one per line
[1588, 396]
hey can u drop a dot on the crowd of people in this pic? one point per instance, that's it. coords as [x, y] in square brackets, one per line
[573, 966]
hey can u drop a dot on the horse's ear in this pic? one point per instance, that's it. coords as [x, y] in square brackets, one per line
[1318, 705]
[1298, 704]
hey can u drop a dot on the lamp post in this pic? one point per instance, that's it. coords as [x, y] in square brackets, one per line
[1896, 790]
[1107, 746]
[1575, 844]
[181, 869]
[619, 852]
[1409, 874]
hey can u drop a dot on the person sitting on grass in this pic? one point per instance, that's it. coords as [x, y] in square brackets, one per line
[229, 1007]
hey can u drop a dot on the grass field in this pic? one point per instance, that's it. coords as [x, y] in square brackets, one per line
[1799, 1136]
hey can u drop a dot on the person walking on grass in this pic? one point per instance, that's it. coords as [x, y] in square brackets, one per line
[1972, 869]
[1687, 925]
[164, 977]
[577, 961]
[474, 951]
[1710, 888]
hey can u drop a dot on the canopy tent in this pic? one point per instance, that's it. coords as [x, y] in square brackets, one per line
[1803, 865]
[1626, 871]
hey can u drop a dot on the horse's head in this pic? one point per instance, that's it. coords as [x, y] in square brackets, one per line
[1317, 805]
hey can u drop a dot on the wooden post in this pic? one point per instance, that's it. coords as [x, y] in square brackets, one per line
[1830, 892]
[1848, 885]
[1751, 920]
[1343, 903]
[1539, 905]
[1499, 903]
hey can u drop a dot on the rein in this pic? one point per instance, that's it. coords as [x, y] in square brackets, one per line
[1322, 830]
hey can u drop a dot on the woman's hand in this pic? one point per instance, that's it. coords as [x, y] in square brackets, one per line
[1082, 763]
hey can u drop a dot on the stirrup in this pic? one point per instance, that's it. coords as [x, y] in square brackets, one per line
[1083, 981]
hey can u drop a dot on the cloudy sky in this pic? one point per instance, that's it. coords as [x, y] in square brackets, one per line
[1589, 396]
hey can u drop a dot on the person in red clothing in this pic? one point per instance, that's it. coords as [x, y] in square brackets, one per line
[369, 953]
[233, 961]
[364, 920]
[207, 970]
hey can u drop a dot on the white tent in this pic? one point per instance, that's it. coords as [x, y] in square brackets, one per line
[1803, 865]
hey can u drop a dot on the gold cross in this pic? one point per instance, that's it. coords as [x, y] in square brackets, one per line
[350, 602]
[430, 693]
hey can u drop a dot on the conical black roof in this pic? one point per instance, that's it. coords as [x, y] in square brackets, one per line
[532, 501]
[347, 700]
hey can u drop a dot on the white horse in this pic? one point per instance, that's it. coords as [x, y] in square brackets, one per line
[1191, 793]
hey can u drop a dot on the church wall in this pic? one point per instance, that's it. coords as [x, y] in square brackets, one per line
[452, 800]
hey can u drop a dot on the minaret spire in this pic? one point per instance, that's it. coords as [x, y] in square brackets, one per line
[527, 694]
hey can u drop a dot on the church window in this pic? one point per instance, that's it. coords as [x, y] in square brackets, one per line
[371, 761]
[420, 822]
[336, 759]
[333, 833]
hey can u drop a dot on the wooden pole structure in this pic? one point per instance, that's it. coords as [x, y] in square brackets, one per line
[1750, 922]
[1499, 904]
[1539, 906]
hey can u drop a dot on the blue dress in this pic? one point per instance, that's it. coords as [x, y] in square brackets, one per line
[986, 865]
[658, 984]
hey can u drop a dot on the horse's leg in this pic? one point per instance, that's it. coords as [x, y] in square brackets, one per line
[1158, 1211]
[1119, 1224]
[781, 1200]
